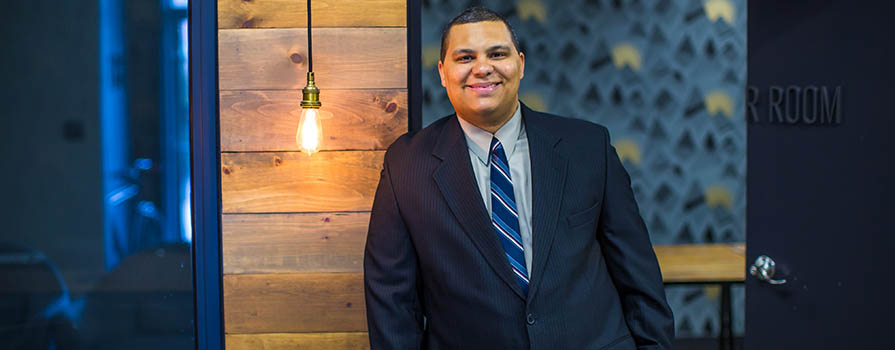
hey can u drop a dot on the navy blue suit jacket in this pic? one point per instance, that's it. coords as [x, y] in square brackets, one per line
[436, 276]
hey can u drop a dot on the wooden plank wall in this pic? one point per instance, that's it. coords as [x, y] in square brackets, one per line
[294, 225]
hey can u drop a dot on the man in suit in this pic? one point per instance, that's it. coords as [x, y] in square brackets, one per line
[500, 227]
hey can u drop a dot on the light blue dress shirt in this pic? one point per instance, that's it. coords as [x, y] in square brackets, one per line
[515, 143]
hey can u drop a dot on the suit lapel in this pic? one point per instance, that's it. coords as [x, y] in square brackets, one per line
[548, 176]
[456, 181]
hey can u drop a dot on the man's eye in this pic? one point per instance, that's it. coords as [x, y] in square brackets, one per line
[498, 55]
[464, 58]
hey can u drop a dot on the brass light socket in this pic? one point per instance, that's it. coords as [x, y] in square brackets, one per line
[310, 95]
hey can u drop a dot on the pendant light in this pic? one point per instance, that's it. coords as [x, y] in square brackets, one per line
[310, 131]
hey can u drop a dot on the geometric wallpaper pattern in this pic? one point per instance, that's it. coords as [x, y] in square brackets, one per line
[667, 77]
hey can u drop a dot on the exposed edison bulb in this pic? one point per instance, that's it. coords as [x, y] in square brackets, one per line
[310, 131]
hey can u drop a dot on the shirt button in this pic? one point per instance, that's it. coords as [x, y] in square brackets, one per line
[530, 319]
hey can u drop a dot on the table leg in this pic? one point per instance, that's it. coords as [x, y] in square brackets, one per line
[726, 336]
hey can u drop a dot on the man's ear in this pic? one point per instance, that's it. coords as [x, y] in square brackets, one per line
[441, 72]
[522, 67]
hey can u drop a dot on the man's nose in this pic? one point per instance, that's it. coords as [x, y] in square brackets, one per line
[482, 68]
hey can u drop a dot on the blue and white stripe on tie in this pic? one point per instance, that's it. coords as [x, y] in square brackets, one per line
[504, 216]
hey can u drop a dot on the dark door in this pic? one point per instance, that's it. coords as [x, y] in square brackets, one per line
[819, 189]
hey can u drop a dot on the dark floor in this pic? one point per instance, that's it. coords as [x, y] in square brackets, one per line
[705, 344]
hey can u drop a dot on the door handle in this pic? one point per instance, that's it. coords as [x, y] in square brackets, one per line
[764, 268]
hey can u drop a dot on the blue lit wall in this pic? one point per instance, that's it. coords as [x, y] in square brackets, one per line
[89, 243]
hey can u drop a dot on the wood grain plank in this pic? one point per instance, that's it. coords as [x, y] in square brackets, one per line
[345, 58]
[290, 243]
[352, 119]
[327, 13]
[287, 303]
[299, 341]
[702, 262]
[274, 182]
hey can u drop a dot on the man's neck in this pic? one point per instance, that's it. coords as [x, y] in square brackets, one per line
[494, 122]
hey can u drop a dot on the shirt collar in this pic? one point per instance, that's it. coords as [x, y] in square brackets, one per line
[479, 141]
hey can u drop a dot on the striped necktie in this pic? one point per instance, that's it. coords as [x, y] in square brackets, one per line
[504, 215]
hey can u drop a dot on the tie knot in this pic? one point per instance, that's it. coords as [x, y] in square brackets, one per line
[495, 145]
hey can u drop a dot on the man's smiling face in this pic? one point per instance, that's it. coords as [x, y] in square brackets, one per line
[481, 71]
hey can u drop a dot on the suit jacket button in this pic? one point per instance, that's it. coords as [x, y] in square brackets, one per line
[530, 319]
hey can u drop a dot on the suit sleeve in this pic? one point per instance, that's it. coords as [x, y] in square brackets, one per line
[631, 260]
[394, 316]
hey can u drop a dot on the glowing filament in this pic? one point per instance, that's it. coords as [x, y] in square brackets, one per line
[309, 131]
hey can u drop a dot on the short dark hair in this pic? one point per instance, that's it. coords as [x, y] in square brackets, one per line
[475, 15]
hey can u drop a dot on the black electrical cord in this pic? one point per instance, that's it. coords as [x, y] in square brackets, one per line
[310, 55]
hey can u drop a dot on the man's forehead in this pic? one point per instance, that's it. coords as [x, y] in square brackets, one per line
[487, 33]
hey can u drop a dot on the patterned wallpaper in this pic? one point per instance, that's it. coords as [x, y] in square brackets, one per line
[666, 77]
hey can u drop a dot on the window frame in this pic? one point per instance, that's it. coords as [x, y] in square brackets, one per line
[205, 174]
